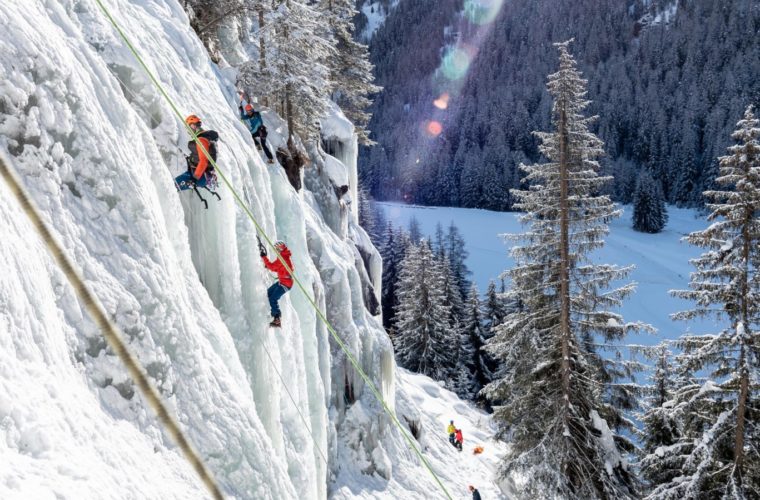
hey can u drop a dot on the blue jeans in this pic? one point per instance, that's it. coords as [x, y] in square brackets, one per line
[184, 181]
[274, 293]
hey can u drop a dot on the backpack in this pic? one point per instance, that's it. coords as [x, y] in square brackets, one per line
[193, 159]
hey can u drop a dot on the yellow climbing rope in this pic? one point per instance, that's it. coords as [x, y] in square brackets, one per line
[250, 215]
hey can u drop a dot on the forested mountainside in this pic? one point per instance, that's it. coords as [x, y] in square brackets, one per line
[668, 81]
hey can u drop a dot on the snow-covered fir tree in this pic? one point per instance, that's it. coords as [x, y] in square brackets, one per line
[494, 309]
[649, 212]
[423, 338]
[415, 232]
[457, 254]
[439, 242]
[300, 50]
[661, 428]
[371, 218]
[258, 76]
[451, 290]
[392, 251]
[719, 452]
[350, 70]
[459, 376]
[554, 398]
[474, 340]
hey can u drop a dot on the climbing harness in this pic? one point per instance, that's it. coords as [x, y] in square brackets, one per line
[211, 185]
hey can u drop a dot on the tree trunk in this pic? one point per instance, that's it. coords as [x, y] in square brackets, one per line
[743, 369]
[564, 264]
[289, 113]
[262, 51]
[262, 42]
[289, 95]
[740, 418]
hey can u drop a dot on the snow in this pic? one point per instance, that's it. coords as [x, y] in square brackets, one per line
[338, 132]
[611, 456]
[661, 15]
[423, 401]
[376, 15]
[666, 15]
[97, 147]
[661, 260]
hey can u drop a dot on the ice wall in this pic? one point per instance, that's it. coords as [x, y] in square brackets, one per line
[98, 147]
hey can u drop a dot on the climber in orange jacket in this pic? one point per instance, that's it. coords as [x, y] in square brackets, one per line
[200, 171]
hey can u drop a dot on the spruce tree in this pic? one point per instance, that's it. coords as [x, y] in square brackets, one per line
[439, 244]
[551, 397]
[474, 339]
[367, 214]
[300, 50]
[350, 69]
[393, 252]
[457, 255]
[422, 339]
[661, 429]
[719, 450]
[415, 232]
[649, 213]
[494, 309]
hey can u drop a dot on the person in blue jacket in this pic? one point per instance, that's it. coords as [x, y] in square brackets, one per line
[255, 124]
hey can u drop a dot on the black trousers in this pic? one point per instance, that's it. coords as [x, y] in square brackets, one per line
[260, 138]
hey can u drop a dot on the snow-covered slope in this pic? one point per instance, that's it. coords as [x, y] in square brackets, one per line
[376, 13]
[430, 407]
[98, 147]
[661, 260]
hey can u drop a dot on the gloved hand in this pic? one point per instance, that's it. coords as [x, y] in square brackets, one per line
[263, 253]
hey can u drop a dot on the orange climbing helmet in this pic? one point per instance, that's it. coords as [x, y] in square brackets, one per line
[192, 119]
[248, 108]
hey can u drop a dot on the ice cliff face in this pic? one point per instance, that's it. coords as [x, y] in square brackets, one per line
[98, 147]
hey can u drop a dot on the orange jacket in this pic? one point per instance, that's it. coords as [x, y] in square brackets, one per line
[202, 159]
[199, 159]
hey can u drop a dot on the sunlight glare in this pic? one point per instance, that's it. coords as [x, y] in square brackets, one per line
[482, 11]
[442, 102]
[455, 63]
[434, 128]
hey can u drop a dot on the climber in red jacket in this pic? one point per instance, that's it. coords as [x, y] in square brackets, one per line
[284, 279]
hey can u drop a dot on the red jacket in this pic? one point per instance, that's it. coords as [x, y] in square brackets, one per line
[458, 436]
[282, 274]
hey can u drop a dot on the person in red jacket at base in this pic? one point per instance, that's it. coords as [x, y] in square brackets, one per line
[284, 279]
[458, 439]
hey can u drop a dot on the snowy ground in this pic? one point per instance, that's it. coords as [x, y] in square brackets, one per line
[661, 260]
[436, 406]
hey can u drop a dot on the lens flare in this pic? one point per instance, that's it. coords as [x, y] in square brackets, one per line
[442, 102]
[482, 11]
[455, 63]
[433, 128]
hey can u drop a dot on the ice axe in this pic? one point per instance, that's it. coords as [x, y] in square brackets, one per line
[262, 248]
